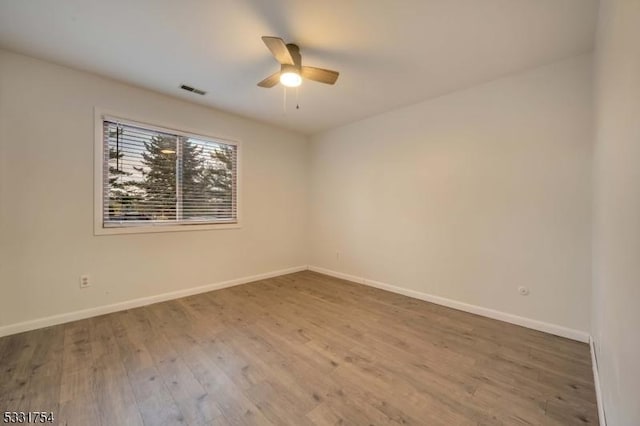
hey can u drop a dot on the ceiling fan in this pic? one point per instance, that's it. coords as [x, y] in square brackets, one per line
[291, 70]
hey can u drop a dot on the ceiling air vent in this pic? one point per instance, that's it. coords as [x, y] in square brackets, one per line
[192, 89]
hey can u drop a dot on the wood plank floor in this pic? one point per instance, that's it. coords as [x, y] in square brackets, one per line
[299, 349]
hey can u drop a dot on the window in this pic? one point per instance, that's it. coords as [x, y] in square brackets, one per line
[162, 179]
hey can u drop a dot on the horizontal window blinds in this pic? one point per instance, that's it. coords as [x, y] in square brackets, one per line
[153, 176]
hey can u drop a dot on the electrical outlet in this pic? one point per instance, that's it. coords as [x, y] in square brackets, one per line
[524, 291]
[85, 281]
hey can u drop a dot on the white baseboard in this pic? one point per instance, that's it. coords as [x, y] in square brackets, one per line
[557, 330]
[135, 303]
[596, 382]
[129, 304]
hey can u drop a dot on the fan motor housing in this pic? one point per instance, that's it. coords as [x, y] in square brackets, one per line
[284, 68]
[294, 50]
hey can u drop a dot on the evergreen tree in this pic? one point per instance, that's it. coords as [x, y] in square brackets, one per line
[159, 177]
[194, 192]
[220, 176]
[179, 180]
[161, 172]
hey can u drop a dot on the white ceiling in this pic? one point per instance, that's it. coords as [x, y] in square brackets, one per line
[390, 53]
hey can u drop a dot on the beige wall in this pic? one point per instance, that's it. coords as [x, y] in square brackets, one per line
[46, 198]
[616, 292]
[467, 196]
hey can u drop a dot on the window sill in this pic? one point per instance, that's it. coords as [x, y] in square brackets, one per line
[100, 230]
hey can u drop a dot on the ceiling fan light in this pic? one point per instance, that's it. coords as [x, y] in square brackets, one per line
[290, 79]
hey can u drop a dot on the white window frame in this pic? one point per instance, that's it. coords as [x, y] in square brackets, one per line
[98, 166]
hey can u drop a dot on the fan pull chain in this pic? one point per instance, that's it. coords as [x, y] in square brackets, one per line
[284, 101]
[297, 97]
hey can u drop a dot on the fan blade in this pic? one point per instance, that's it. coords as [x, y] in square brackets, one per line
[278, 49]
[320, 74]
[270, 81]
